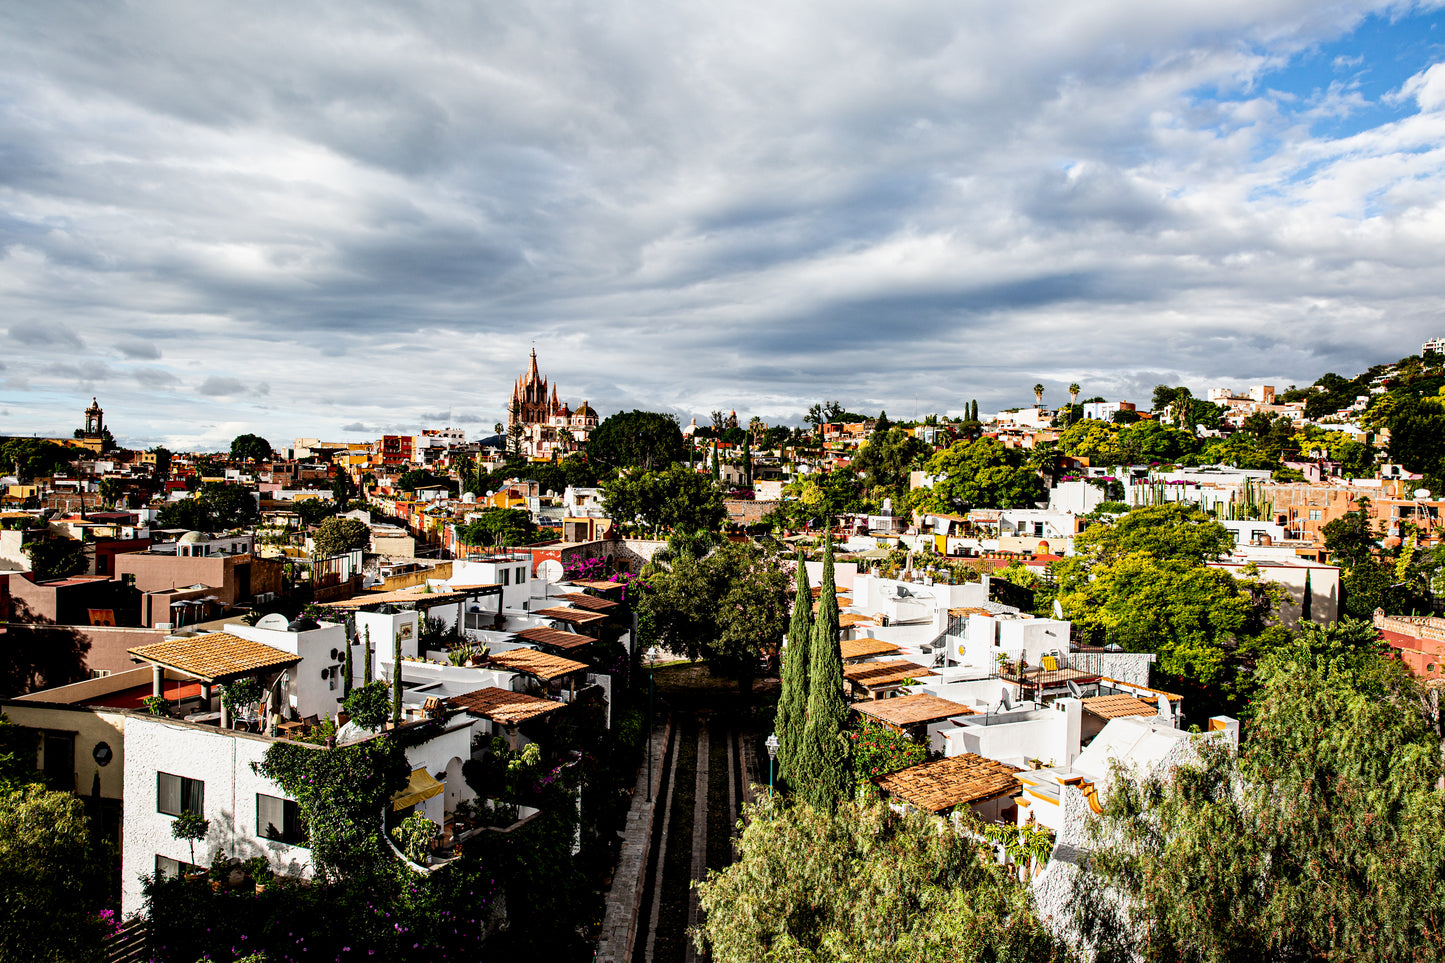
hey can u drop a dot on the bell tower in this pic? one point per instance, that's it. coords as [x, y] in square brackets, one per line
[94, 419]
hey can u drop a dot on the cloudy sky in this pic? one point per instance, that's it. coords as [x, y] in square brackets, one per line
[341, 219]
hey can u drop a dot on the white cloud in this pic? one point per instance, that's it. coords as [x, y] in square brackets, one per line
[362, 215]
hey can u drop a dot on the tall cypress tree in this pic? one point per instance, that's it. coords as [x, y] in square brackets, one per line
[748, 461]
[793, 701]
[396, 678]
[1306, 602]
[716, 470]
[825, 765]
[366, 653]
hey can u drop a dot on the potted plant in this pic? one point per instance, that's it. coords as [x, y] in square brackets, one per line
[190, 827]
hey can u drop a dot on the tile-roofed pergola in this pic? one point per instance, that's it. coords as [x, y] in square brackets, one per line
[543, 665]
[867, 647]
[951, 781]
[601, 586]
[555, 638]
[503, 705]
[215, 656]
[912, 710]
[870, 674]
[408, 596]
[591, 603]
[847, 620]
[575, 616]
[1117, 706]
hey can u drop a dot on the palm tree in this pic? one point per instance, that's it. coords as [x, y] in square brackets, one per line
[1074, 393]
[1038, 394]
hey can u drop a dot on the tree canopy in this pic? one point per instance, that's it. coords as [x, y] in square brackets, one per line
[728, 606]
[1319, 840]
[32, 458]
[250, 447]
[675, 498]
[498, 528]
[337, 536]
[215, 507]
[979, 474]
[649, 440]
[52, 558]
[863, 883]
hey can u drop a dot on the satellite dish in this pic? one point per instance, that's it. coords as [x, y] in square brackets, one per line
[1008, 703]
[1058, 610]
[1074, 689]
[1164, 712]
[1422, 493]
[550, 571]
[275, 621]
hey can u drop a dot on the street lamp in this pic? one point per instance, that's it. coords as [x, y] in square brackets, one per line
[651, 655]
[772, 743]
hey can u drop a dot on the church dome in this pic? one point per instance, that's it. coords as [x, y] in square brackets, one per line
[584, 410]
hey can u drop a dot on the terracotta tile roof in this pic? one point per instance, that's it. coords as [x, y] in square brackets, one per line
[869, 674]
[215, 656]
[576, 616]
[1115, 706]
[477, 588]
[503, 705]
[913, 709]
[945, 783]
[865, 647]
[554, 638]
[600, 586]
[846, 620]
[541, 664]
[967, 610]
[398, 598]
[591, 603]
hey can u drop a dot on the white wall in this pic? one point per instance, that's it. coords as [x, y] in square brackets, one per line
[308, 692]
[1050, 734]
[384, 629]
[222, 760]
[474, 571]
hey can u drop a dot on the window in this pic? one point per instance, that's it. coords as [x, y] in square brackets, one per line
[60, 760]
[177, 794]
[165, 866]
[1316, 514]
[279, 819]
[521, 574]
[506, 576]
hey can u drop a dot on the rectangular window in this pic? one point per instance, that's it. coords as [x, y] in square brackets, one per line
[165, 866]
[177, 794]
[279, 819]
[506, 576]
[521, 574]
[1316, 514]
[60, 760]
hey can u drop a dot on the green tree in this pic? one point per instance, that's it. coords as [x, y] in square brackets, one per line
[1318, 841]
[980, 474]
[1417, 439]
[396, 679]
[52, 558]
[410, 481]
[343, 490]
[52, 878]
[674, 498]
[648, 440]
[1174, 530]
[863, 882]
[112, 490]
[885, 459]
[1349, 539]
[716, 468]
[728, 606]
[163, 461]
[499, 527]
[190, 827]
[338, 536]
[823, 772]
[31, 458]
[793, 699]
[368, 704]
[215, 507]
[250, 448]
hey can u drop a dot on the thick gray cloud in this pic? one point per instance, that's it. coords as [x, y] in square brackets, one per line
[363, 214]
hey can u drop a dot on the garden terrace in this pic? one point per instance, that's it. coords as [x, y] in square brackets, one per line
[957, 780]
[216, 657]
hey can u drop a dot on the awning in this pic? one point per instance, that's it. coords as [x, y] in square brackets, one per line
[419, 787]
